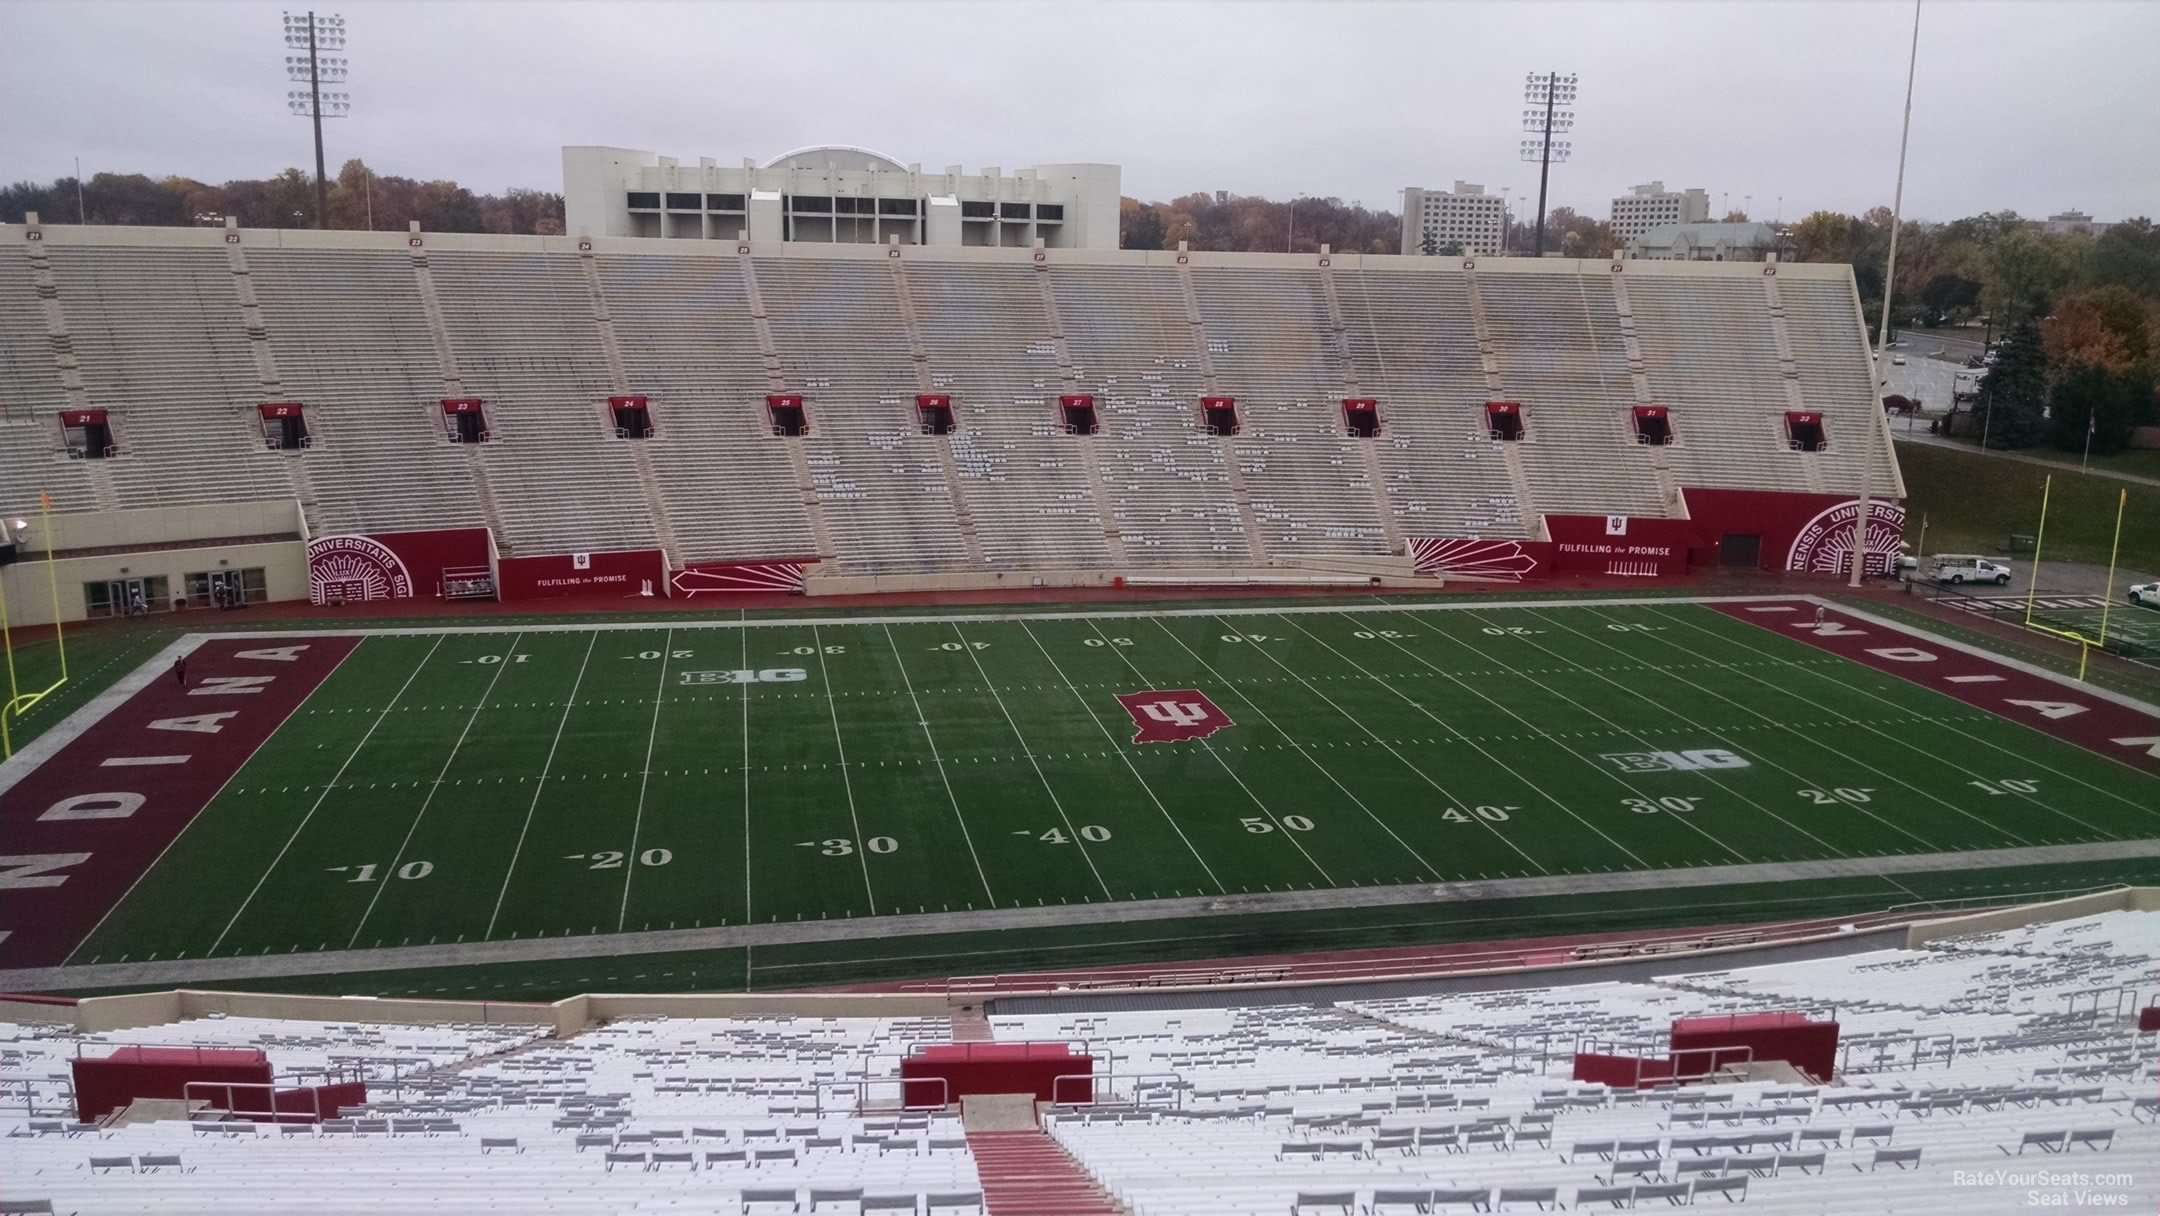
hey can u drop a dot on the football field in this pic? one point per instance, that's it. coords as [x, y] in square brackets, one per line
[484, 784]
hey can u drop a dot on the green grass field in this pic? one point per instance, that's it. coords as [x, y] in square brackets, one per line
[1974, 503]
[575, 781]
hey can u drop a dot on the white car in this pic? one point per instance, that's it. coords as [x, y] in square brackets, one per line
[2146, 594]
[1898, 359]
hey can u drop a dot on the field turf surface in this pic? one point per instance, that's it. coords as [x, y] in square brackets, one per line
[468, 786]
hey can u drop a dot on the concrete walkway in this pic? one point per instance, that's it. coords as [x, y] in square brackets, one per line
[197, 972]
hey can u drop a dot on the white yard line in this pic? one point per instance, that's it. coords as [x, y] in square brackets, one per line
[1640, 740]
[1986, 743]
[1124, 754]
[1498, 764]
[637, 824]
[1892, 736]
[319, 798]
[748, 915]
[1217, 756]
[1298, 745]
[1390, 749]
[938, 761]
[390, 871]
[862, 847]
[569, 704]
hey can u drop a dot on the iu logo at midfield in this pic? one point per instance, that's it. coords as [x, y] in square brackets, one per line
[1167, 716]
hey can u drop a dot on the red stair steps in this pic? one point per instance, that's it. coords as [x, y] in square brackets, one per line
[1028, 1174]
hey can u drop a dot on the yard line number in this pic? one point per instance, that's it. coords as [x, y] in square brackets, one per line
[1260, 827]
[1673, 804]
[2007, 785]
[841, 846]
[1093, 832]
[612, 859]
[1842, 794]
[1490, 814]
[366, 873]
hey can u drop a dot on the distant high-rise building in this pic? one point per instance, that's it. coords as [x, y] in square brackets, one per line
[1465, 217]
[1651, 205]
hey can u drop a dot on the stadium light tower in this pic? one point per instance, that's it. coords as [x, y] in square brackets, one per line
[1545, 93]
[316, 34]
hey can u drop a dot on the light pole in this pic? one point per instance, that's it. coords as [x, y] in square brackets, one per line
[1878, 427]
[316, 34]
[1290, 237]
[1544, 93]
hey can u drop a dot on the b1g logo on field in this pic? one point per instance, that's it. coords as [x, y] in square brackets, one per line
[1692, 761]
[1173, 715]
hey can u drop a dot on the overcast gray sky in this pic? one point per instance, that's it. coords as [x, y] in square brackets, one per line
[2036, 107]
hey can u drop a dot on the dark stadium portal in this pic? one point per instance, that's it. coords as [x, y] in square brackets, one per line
[1504, 418]
[1805, 432]
[96, 442]
[1741, 550]
[1219, 414]
[1078, 414]
[937, 416]
[1652, 427]
[290, 434]
[1361, 418]
[633, 422]
[789, 419]
[468, 427]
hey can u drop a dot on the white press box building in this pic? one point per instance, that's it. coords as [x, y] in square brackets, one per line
[837, 194]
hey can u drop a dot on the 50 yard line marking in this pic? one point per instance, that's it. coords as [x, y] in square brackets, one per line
[637, 825]
[943, 777]
[331, 785]
[1217, 756]
[501, 666]
[862, 847]
[569, 703]
[1385, 745]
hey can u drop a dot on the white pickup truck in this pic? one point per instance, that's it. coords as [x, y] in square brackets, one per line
[1968, 568]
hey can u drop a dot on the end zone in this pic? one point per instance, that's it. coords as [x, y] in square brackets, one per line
[92, 817]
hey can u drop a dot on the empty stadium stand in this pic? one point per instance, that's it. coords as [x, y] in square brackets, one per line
[1969, 1063]
[179, 335]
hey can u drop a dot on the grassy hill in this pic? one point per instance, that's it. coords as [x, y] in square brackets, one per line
[1975, 503]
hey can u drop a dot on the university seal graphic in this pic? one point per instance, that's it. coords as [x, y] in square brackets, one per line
[1173, 715]
[348, 568]
[1824, 545]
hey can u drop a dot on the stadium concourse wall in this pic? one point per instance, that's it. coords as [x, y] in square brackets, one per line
[168, 543]
[572, 1015]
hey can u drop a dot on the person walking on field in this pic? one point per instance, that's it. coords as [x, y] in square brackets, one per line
[179, 670]
[1818, 616]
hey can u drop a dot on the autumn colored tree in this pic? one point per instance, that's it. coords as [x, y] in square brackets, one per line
[2105, 327]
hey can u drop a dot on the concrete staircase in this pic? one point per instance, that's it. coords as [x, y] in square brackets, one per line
[1026, 1173]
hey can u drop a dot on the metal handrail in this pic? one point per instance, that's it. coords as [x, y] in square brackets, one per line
[312, 1115]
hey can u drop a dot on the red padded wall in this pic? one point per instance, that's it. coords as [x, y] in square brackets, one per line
[560, 575]
[105, 1085]
[996, 1068]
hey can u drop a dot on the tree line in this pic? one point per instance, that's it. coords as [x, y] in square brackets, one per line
[357, 198]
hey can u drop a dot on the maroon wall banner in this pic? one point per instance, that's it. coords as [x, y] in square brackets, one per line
[1808, 533]
[1629, 546]
[84, 825]
[2063, 710]
[624, 572]
[736, 578]
[348, 568]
